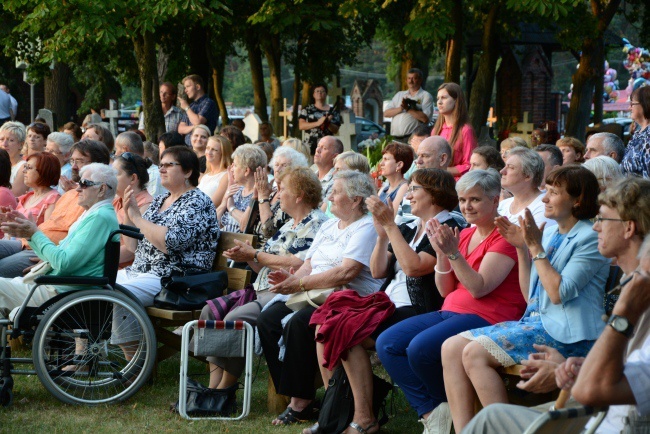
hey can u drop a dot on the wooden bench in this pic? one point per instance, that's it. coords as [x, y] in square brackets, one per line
[163, 319]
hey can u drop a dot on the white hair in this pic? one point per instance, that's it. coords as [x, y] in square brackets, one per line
[606, 169]
[63, 140]
[101, 173]
[489, 180]
[295, 158]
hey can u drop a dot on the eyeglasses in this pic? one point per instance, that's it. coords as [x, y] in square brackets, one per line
[78, 162]
[85, 183]
[166, 166]
[632, 104]
[600, 219]
[413, 188]
[27, 167]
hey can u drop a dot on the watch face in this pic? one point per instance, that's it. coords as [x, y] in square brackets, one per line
[619, 323]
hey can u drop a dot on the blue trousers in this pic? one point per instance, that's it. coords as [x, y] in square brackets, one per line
[410, 352]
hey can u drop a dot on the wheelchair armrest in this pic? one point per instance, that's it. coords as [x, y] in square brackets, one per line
[72, 280]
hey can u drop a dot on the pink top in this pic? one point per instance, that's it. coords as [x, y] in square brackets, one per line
[7, 199]
[38, 210]
[505, 302]
[465, 144]
[141, 199]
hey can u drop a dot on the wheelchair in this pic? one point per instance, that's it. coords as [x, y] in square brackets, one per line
[70, 338]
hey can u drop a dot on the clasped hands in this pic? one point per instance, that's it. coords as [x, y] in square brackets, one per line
[527, 234]
[242, 252]
[16, 224]
[284, 282]
[548, 370]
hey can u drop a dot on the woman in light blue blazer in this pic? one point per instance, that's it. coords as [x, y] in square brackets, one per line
[564, 285]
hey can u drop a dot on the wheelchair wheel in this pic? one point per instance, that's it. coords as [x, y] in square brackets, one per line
[73, 354]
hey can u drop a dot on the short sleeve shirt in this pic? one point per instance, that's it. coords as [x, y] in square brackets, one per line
[191, 238]
[505, 302]
[205, 107]
[312, 136]
[332, 245]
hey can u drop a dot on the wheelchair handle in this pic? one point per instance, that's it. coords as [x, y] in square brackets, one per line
[131, 234]
[129, 228]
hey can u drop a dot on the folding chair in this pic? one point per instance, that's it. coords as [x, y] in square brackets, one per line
[218, 338]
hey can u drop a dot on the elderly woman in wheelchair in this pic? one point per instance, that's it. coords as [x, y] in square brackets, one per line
[65, 316]
[80, 253]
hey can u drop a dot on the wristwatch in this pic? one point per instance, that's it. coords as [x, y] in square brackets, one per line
[264, 201]
[540, 255]
[255, 257]
[302, 285]
[454, 256]
[621, 325]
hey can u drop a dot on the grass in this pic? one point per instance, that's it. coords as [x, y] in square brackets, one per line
[35, 411]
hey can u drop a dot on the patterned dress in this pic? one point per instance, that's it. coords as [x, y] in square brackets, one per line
[637, 155]
[230, 224]
[312, 136]
[511, 342]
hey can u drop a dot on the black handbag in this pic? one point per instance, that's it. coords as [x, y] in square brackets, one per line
[337, 408]
[190, 291]
[203, 401]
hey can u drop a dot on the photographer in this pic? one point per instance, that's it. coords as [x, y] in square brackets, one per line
[409, 108]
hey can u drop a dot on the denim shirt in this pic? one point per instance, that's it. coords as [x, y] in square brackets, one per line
[584, 273]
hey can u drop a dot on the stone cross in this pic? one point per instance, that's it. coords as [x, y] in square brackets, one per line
[252, 128]
[112, 114]
[335, 91]
[50, 118]
[286, 114]
[491, 118]
[348, 131]
[525, 129]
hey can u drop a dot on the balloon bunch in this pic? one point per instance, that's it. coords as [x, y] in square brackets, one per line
[638, 65]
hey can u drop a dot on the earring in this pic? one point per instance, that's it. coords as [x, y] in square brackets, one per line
[187, 182]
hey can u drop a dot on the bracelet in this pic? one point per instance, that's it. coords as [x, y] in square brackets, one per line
[231, 209]
[302, 285]
[264, 201]
[442, 272]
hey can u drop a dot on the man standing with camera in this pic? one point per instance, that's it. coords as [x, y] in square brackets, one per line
[409, 108]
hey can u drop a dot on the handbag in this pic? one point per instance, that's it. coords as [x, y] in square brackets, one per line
[37, 270]
[312, 297]
[203, 401]
[190, 291]
[337, 409]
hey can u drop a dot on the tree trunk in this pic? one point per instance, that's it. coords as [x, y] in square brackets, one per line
[584, 82]
[218, 70]
[57, 89]
[145, 54]
[272, 50]
[257, 73]
[455, 45]
[599, 84]
[217, 59]
[307, 92]
[419, 58]
[199, 64]
[297, 88]
[590, 72]
[479, 106]
[163, 64]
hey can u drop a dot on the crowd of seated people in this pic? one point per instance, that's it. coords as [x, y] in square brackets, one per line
[501, 259]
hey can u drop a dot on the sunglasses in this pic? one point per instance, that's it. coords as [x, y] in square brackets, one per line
[85, 183]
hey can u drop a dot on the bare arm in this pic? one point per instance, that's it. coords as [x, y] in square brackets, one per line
[514, 235]
[218, 195]
[419, 115]
[184, 128]
[337, 276]
[303, 125]
[392, 112]
[602, 380]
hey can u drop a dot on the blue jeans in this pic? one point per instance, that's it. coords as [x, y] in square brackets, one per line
[410, 352]
[13, 259]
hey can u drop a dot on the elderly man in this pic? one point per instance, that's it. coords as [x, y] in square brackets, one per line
[420, 133]
[59, 145]
[328, 148]
[16, 255]
[132, 142]
[409, 108]
[173, 114]
[433, 153]
[14, 103]
[552, 157]
[607, 144]
[201, 111]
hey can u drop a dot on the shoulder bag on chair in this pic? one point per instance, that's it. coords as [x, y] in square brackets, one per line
[191, 290]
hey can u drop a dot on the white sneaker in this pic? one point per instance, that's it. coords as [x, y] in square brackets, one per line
[439, 420]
